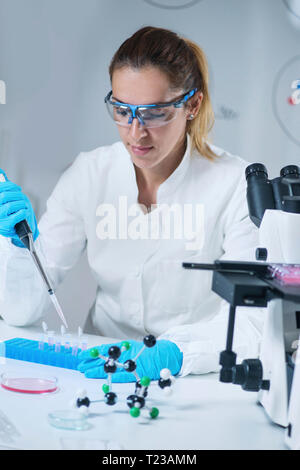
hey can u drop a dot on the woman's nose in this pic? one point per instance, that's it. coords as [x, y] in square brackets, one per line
[137, 130]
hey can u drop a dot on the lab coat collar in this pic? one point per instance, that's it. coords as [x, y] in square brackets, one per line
[169, 186]
[173, 181]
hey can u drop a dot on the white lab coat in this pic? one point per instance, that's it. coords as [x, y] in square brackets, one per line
[142, 287]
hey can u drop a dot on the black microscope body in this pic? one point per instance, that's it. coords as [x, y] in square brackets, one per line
[252, 284]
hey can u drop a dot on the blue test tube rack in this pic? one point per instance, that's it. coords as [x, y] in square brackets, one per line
[29, 350]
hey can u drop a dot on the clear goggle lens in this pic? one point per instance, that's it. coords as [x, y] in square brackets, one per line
[148, 117]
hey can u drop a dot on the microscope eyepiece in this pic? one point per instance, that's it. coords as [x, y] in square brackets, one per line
[290, 170]
[281, 193]
[257, 169]
[259, 192]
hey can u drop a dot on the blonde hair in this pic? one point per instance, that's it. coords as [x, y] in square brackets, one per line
[202, 124]
[185, 64]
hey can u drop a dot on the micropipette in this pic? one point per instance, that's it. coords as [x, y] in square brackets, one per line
[24, 232]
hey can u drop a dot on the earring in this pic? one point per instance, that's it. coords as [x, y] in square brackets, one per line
[191, 116]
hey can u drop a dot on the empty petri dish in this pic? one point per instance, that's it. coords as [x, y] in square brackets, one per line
[69, 419]
[21, 383]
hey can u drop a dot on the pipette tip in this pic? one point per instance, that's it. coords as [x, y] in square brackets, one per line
[58, 308]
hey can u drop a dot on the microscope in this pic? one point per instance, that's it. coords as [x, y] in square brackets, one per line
[272, 282]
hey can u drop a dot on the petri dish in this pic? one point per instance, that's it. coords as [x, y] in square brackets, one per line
[21, 383]
[69, 419]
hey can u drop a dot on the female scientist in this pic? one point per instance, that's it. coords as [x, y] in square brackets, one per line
[126, 203]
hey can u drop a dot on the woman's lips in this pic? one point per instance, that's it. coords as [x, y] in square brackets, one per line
[140, 150]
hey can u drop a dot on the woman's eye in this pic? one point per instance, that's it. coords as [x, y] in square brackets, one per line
[121, 111]
[155, 114]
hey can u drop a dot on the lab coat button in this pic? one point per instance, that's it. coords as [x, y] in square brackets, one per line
[136, 272]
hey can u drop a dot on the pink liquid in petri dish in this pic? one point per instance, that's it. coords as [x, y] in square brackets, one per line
[287, 274]
[29, 385]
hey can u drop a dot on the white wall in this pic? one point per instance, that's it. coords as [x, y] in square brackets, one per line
[54, 57]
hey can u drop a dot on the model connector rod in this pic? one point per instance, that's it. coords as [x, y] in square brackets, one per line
[24, 232]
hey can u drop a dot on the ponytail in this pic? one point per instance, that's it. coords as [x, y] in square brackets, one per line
[202, 124]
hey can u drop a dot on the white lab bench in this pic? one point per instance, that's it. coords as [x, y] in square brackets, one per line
[202, 413]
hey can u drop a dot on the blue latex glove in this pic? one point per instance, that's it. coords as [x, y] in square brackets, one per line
[14, 207]
[164, 354]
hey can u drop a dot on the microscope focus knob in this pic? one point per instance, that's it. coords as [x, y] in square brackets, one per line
[249, 375]
[261, 254]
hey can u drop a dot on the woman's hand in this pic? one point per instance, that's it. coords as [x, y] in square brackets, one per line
[152, 360]
[14, 207]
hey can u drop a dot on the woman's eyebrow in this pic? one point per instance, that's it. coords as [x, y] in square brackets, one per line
[150, 104]
[119, 101]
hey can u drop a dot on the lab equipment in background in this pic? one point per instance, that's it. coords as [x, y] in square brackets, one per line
[69, 419]
[274, 207]
[137, 401]
[28, 383]
[285, 97]
[24, 233]
[60, 350]
[287, 274]
[295, 96]
[48, 354]
[281, 194]
[251, 284]
[77, 345]
[279, 241]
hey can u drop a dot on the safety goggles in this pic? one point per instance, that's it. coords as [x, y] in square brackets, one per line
[148, 115]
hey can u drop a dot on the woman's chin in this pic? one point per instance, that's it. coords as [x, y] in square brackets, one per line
[143, 161]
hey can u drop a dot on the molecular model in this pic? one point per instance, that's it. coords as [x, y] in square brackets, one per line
[295, 96]
[137, 400]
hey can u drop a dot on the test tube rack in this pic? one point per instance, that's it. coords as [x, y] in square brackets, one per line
[31, 351]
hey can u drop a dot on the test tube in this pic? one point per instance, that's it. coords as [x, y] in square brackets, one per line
[82, 340]
[50, 338]
[84, 344]
[67, 341]
[41, 342]
[44, 337]
[75, 348]
[57, 345]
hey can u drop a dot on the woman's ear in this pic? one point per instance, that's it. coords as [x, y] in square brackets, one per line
[194, 105]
